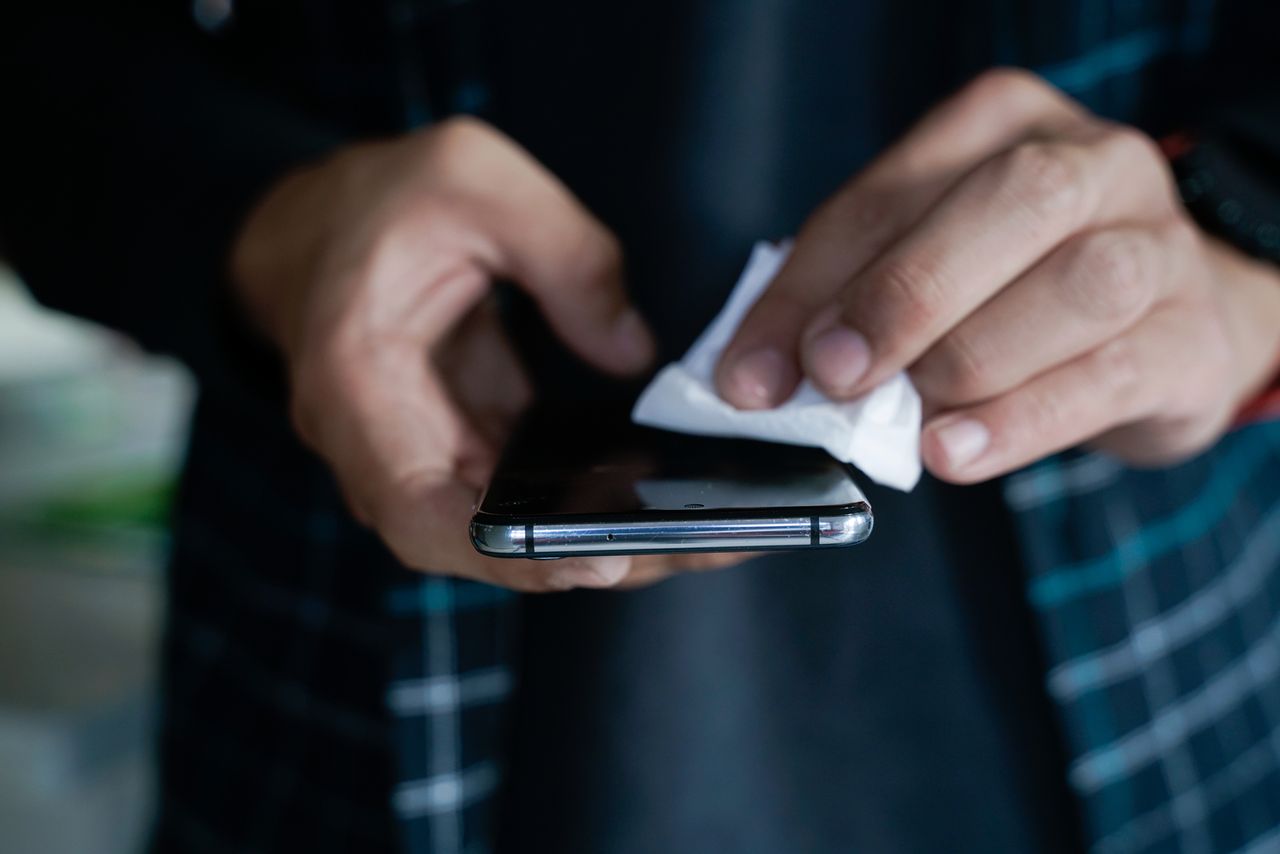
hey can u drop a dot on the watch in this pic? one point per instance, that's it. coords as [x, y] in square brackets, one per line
[1229, 179]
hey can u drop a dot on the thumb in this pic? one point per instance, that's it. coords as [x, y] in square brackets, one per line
[578, 284]
[568, 261]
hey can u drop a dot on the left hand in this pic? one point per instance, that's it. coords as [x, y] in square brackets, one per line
[370, 270]
[1031, 266]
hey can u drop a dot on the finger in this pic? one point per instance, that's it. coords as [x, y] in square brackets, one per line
[688, 562]
[410, 465]
[543, 238]
[573, 268]
[427, 525]
[425, 521]
[1086, 292]
[760, 367]
[1127, 379]
[986, 231]
[650, 569]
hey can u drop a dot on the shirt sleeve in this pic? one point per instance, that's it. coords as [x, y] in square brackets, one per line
[127, 162]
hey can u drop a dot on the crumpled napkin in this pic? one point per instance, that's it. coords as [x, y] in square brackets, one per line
[879, 432]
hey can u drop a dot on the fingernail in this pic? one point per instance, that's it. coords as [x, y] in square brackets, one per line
[755, 379]
[835, 356]
[634, 341]
[593, 572]
[963, 440]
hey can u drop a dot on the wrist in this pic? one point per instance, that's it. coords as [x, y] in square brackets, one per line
[1251, 291]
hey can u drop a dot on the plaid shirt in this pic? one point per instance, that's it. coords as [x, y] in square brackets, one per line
[1158, 593]
[339, 679]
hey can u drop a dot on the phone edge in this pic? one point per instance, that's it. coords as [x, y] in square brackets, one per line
[520, 539]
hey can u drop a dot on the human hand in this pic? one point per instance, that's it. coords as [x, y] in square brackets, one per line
[371, 271]
[1031, 266]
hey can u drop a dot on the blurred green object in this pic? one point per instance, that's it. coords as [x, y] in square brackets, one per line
[92, 432]
[128, 500]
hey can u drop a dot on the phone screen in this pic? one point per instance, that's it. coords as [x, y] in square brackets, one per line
[582, 462]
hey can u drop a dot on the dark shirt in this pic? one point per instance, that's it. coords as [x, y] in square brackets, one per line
[890, 696]
[885, 699]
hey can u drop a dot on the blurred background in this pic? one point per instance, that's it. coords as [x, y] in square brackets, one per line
[92, 433]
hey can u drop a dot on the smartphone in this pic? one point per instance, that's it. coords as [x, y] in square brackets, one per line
[576, 481]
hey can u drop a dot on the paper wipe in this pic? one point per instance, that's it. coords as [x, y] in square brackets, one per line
[879, 432]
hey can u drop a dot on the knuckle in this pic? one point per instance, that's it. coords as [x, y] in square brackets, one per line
[911, 291]
[461, 131]
[959, 369]
[1110, 280]
[1005, 85]
[1045, 178]
[1132, 146]
[872, 212]
[1039, 413]
[1138, 158]
[457, 141]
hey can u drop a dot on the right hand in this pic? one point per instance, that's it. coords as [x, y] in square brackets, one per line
[371, 272]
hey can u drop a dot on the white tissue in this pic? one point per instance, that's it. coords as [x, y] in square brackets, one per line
[879, 432]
